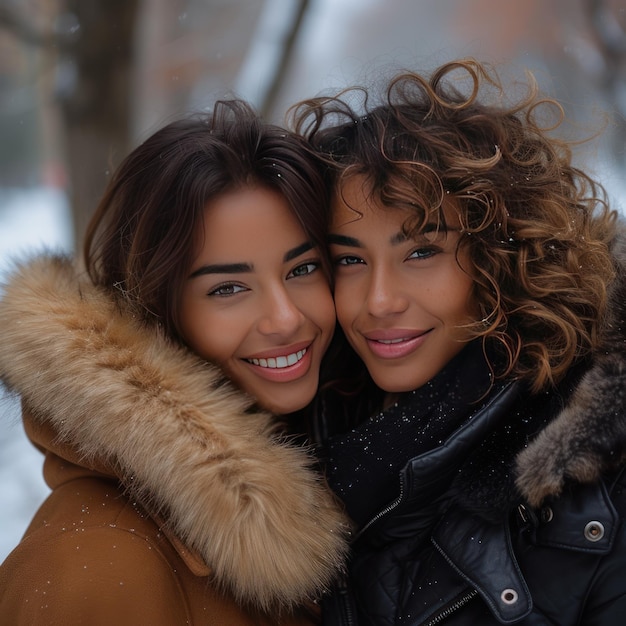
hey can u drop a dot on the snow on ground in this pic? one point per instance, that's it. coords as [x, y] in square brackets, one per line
[30, 220]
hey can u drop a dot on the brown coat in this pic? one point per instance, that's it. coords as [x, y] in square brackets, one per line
[172, 501]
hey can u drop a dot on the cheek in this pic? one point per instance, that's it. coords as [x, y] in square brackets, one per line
[330, 316]
[217, 347]
[214, 338]
[466, 278]
[346, 303]
[319, 307]
[461, 302]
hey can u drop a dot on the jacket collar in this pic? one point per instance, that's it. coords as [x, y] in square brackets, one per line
[482, 552]
[64, 464]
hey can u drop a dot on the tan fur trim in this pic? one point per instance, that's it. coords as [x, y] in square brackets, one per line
[248, 502]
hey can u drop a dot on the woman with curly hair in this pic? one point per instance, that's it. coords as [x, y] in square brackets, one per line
[481, 279]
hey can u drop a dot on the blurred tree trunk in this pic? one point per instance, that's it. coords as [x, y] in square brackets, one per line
[95, 97]
[268, 105]
[93, 44]
[610, 38]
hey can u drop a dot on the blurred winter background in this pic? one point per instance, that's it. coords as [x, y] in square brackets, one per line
[83, 81]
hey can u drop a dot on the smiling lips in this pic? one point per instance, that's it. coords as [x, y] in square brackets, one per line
[395, 344]
[283, 368]
[279, 362]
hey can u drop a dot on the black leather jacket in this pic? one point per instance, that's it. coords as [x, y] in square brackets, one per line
[561, 563]
[481, 535]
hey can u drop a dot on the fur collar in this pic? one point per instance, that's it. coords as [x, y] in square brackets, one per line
[589, 436]
[184, 441]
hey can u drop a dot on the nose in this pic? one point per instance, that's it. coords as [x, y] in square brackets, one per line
[385, 295]
[279, 314]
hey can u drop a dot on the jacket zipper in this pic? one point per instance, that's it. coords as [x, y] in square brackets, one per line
[455, 606]
[347, 615]
[390, 507]
[344, 600]
[344, 591]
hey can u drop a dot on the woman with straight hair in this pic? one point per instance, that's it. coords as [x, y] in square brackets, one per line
[163, 384]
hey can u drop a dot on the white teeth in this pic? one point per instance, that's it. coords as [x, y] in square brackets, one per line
[391, 340]
[280, 361]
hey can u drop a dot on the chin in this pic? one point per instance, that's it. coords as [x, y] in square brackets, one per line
[282, 409]
[284, 406]
[396, 386]
[279, 398]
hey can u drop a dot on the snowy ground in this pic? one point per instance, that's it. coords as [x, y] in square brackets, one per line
[29, 221]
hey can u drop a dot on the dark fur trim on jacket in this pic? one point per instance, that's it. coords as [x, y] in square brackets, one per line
[589, 436]
[540, 445]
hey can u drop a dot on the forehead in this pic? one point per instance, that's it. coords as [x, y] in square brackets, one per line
[236, 221]
[350, 202]
[354, 202]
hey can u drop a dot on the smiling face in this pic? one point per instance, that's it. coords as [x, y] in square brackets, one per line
[402, 302]
[256, 302]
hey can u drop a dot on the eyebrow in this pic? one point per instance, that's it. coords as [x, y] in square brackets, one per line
[222, 268]
[243, 268]
[352, 242]
[344, 240]
[398, 238]
[294, 253]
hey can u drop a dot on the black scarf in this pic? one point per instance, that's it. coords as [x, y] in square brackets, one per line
[363, 464]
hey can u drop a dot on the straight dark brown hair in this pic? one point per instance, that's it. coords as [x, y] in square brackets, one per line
[140, 244]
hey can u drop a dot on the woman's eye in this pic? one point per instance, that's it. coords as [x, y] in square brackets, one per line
[229, 289]
[304, 270]
[423, 253]
[348, 260]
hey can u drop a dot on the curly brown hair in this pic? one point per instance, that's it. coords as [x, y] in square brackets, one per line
[538, 229]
